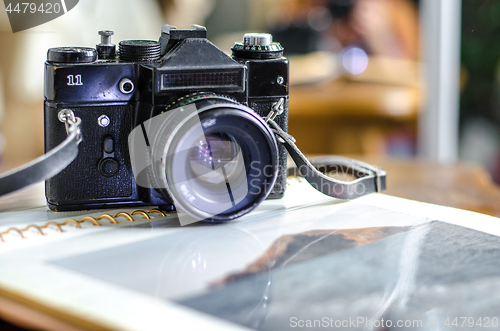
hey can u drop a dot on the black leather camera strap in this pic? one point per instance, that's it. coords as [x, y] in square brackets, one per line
[47, 165]
[369, 179]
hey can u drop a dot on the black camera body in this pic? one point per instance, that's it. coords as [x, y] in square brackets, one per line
[114, 92]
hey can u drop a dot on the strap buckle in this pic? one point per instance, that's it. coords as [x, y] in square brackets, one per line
[276, 110]
[71, 122]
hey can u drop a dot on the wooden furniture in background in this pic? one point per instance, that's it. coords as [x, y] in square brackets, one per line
[354, 114]
[462, 185]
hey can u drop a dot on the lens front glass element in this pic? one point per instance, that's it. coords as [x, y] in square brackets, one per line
[216, 159]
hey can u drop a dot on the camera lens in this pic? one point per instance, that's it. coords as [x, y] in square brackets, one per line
[215, 158]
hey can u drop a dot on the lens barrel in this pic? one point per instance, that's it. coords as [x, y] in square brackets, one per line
[217, 159]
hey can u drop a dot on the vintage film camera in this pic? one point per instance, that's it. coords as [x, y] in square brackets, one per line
[114, 92]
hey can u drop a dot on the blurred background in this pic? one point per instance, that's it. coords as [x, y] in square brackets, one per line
[383, 78]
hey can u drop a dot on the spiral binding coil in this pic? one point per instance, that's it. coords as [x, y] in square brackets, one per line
[95, 222]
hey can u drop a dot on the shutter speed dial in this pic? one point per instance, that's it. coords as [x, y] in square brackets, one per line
[258, 46]
[257, 39]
